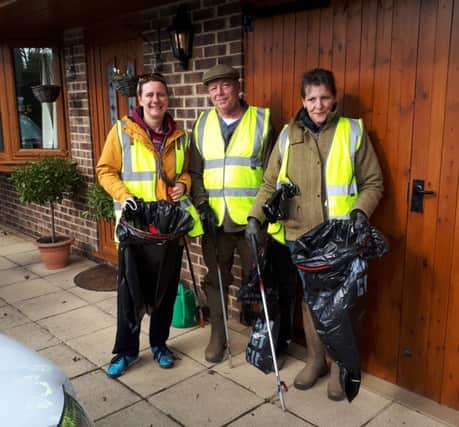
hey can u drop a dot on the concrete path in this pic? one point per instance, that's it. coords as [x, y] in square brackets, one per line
[75, 328]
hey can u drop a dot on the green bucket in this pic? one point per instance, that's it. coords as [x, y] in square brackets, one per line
[184, 308]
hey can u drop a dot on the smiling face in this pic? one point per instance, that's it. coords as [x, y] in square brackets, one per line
[318, 102]
[224, 94]
[154, 100]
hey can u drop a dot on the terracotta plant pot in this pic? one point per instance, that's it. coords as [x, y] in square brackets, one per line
[55, 255]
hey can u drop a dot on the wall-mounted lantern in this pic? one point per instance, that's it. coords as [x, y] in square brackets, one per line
[181, 36]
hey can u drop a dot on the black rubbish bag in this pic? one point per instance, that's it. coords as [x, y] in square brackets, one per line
[147, 255]
[333, 259]
[258, 352]
[276, 207]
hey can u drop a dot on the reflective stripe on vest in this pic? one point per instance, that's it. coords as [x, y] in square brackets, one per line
[233, 176]
[341, 183]
[139, 172]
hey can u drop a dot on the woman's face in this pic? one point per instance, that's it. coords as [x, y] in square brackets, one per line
[318, 102]
[154, 100]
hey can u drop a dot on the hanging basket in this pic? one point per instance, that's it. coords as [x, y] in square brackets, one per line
[46, 93]
[126, 86]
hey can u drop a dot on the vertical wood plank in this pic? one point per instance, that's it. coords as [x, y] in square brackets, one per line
[290, 91]
[450, 178]
[301, 37]
[276, 71]
[326, 38]
[445, 184]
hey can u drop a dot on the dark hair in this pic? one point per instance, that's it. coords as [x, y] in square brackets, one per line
[317, 77]
[150, 77]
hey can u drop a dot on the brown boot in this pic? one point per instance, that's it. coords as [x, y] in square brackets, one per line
[315, 359]
[215, 350]
[334, 390]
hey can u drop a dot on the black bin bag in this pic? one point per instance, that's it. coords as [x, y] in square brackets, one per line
[147, 236]
[334, 260]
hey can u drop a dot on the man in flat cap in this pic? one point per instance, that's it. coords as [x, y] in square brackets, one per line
[231, 143]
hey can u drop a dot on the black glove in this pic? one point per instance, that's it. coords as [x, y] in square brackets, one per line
[207, 217]
[253, 229]
[361, 225]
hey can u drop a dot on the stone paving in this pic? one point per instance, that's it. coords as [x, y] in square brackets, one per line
[75, 328]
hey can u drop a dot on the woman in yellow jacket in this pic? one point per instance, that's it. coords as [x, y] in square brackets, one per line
[139, 159]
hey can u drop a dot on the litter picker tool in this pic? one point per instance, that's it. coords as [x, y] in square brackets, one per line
[198, 305]
[281, 386]
[213, 234]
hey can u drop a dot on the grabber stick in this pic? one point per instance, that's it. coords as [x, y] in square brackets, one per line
[213, 234]
[190, 265]
[281, 386]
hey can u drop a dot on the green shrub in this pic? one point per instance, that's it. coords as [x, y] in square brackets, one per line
[100, 204]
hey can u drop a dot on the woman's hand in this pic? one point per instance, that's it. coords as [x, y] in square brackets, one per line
[177, 191]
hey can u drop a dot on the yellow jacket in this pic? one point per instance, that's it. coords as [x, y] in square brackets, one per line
[109, 165]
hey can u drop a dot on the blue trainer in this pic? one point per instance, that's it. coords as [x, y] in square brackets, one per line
[120, 364]
[163, 356]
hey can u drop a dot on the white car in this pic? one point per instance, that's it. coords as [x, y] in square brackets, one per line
[34, 392]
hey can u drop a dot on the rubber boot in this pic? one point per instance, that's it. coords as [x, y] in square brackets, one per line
[334, 390]
[215, 350]
[316, 365]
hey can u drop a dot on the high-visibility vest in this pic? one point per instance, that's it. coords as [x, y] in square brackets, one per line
[340, 180]
[139, 173]
[233, 176]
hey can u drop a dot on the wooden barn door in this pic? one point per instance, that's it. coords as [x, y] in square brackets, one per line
[396, 65]
[107, 106]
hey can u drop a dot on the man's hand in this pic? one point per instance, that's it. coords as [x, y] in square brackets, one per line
[129, 203]
[207, 217]
[253, 229]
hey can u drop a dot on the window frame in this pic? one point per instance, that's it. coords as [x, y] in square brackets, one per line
[14, 155]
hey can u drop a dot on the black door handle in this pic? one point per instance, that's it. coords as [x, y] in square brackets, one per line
[417, 198]
[419, 189]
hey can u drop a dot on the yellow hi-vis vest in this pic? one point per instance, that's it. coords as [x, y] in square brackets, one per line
[340, 181]
[232, 177]
[139, 171]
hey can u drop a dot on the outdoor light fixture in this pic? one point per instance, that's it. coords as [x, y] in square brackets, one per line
[181, 36]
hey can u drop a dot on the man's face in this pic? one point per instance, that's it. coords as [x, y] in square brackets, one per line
[224, 94]
[318, 102]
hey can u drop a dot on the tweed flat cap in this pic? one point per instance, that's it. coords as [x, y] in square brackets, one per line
[220, 71]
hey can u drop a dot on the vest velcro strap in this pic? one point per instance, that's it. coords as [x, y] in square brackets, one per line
[233, 192]
[342, 190]
[137, 176]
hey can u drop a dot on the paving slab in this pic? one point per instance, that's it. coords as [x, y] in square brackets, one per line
[14, 275]
[207, 399]
[74, 323]
[400, 416]
[25, 258]
[263, 385]
[108, 305]
[269, 415]
[140, 414]
[17, 247]
[49, 305]
[194, 344]
[101, 395]
[71, 362]
[11, 317]
[89, 295]
[76, 263]
[33, 336]
[8, 239]
[146, 377]
[6, 263]
[27, 289]
[64, 278]
[314, 406]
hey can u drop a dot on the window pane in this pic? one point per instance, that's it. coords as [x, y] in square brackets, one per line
[37, 121]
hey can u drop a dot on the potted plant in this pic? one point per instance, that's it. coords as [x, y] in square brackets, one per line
[47, 91]
[124, 83]
[47, 181]
[100, 204]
